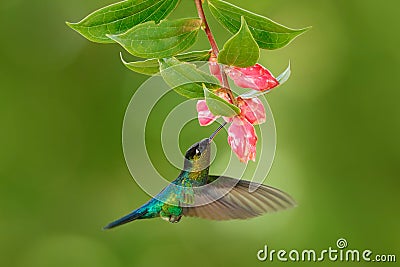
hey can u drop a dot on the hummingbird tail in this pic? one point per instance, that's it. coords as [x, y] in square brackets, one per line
[136, 214]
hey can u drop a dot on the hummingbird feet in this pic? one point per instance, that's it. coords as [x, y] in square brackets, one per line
[172, 218]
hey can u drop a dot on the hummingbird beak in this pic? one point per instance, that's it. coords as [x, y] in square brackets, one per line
[216, 131]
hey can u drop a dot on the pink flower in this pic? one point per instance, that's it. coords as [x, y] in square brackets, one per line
[241, 134]
[243, 139]
[256, 77]
[204, 114]
[252, 109]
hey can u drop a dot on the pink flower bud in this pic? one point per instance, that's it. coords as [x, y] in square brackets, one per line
[256, 77]
[253, 110]
[243, 139]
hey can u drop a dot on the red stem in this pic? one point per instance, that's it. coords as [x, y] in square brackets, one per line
[206, 28]
[214, 47]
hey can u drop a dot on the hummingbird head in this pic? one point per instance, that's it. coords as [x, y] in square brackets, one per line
[197, 157]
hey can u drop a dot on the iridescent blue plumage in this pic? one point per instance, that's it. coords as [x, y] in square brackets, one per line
[196, 193]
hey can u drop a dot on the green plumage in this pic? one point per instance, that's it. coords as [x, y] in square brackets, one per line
[196, 193]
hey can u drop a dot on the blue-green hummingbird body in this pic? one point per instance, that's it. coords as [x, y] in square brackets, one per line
[195, 193]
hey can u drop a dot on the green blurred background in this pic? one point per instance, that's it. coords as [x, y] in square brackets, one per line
[62, 170]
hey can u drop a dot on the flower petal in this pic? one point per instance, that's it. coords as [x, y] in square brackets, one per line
[243, 139]
[253, 110]
[204, 114]
[256, 77]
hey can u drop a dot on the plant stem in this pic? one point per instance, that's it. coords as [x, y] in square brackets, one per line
[214, 48]
[206, 28]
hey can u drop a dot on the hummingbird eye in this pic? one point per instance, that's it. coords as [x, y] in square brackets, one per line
[197, 152]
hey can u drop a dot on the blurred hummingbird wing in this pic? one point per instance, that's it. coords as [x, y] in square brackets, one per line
[227, 198]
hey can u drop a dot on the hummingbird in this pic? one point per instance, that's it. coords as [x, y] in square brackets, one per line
[195, 193]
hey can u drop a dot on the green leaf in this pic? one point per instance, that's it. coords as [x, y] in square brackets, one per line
[218, 106]
[151, 40]
[151, 66]
[120, 17]
[267, 33]
[241, 50]
[185, 78]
